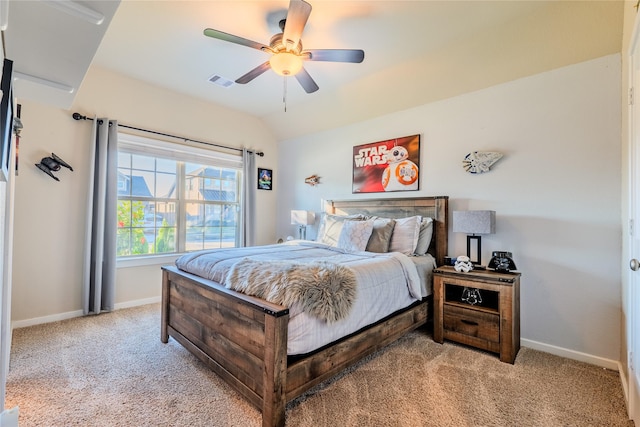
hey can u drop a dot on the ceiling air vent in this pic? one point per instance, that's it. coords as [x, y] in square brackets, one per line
[221, 81]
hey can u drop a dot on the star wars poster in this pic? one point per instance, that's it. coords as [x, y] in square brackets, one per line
[392, 165]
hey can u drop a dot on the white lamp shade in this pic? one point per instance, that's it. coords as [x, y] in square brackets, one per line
[474, 222]
[303, 217]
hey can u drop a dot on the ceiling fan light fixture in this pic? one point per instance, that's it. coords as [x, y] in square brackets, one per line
[286, 63]
[285, 49]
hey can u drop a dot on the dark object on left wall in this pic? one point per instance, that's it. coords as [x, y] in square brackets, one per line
[51, 164]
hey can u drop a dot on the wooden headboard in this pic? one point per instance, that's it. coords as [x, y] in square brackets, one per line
[436, 207]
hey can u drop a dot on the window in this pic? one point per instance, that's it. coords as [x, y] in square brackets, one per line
[173, 198]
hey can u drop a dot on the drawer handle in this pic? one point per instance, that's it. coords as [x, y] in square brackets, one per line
[469, 322]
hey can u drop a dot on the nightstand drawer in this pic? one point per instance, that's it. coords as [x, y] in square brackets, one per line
[472, 323]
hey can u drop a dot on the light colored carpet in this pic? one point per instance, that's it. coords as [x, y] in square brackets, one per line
[112, 370]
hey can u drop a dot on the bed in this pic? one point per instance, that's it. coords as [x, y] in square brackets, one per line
[244, 339]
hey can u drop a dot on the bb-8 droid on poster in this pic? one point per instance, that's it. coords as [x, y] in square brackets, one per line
[402, 173]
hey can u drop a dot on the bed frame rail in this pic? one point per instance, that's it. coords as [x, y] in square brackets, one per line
[305, 373]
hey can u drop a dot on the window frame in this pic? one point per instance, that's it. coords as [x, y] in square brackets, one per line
[182, 153]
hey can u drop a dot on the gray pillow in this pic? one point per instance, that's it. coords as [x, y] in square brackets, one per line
[381, 235]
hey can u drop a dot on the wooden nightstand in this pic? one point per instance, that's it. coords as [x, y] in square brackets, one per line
[492, 324]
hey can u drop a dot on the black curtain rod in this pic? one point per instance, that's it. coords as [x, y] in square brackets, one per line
[78, 116]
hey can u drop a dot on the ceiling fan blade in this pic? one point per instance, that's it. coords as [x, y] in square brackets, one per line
[306, 81]
[335, 55]
[253, 73]
[210, 32]
[297, 16]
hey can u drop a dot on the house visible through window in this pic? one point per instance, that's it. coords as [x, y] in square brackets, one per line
[173, 198]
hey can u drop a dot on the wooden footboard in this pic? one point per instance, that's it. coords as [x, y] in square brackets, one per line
[241, 338]
[244, 340]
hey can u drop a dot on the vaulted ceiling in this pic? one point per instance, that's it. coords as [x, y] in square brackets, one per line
[415, 51]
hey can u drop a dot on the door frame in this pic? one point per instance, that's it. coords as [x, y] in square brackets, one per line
[632, 247]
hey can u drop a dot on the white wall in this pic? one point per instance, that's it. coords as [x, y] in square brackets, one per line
[556, 191]
[50, 215]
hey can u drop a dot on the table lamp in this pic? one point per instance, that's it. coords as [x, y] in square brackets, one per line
[473, 223]
[302, 219]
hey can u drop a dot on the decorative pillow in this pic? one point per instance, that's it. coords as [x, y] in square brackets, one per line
[381, 235]
[355, 235]
[405, 235]
[331, 225]
[424, 236]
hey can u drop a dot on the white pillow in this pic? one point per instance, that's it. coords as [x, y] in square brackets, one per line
[405, 235]
[354, 235]
[425, 235]
[331, 225]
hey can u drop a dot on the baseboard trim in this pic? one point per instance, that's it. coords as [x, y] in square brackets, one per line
[624, 380]
[138, 302]
[614, 365]
[45, 319]
[78, 313]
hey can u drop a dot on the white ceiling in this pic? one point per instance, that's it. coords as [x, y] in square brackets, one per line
[415, 51]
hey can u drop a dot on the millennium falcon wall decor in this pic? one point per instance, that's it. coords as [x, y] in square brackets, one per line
[480, 161]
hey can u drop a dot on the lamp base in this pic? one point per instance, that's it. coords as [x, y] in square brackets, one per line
[302, 232]
[477, 262]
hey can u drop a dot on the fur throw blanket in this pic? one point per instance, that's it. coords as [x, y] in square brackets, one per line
[322, 289]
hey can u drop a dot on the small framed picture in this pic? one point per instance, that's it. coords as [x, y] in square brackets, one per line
[265, 179]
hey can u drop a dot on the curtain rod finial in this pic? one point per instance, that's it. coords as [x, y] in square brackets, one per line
[78, 116]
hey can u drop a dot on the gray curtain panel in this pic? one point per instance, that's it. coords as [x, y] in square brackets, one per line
[100, 245]
[249, 189]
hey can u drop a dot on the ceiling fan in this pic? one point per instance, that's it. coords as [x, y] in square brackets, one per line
[287, 54]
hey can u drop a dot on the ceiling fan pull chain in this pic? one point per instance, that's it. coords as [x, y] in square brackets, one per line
[284, 93]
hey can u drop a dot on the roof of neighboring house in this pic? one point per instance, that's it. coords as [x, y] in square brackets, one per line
[135, 186]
